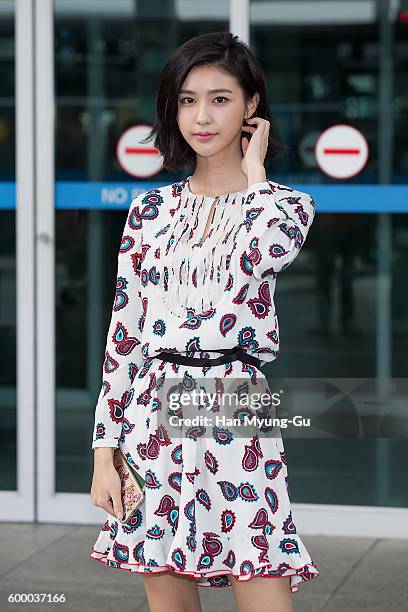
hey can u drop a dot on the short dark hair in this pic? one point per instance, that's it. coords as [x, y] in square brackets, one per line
[226, 52]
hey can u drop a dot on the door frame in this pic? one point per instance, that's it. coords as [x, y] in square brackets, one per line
[19, 505]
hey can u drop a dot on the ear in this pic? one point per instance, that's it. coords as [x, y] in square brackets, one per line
[252, 106]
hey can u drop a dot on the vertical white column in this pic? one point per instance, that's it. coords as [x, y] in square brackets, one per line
[21, 507]
[239, 19]
[45, 246]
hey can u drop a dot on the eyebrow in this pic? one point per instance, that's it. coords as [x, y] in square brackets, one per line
[209, 91]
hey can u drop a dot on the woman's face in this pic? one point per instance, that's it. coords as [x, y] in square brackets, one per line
[211, 100]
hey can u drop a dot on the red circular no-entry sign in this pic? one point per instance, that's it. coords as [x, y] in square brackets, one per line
[341, 151]
[137, 158]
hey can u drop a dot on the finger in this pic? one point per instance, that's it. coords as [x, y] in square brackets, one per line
[106, 504]
[108, 507]
[245, 143]
[249, 128]
[117, 505]
[258, 119]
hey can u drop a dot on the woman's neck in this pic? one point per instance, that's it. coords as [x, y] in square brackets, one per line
[212, 185]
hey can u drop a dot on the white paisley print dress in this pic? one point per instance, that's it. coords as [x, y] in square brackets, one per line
[217, 503]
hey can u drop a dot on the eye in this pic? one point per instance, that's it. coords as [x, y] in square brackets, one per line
[182, 100]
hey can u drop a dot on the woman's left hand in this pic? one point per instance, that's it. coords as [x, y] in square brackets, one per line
[254, 150]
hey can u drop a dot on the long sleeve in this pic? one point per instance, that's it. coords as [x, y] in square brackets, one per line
[123, 357]
[277, 221]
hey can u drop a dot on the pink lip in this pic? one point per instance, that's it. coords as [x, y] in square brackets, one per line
[204, 136]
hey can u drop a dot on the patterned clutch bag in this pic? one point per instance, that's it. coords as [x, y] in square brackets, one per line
[132, 491]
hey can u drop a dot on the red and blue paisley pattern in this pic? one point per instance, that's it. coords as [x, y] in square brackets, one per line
[217, 503]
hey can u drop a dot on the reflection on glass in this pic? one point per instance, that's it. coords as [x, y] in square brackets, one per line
[322, 68]
[8, 429]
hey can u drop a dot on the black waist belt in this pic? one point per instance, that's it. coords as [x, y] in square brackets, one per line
[229, 355]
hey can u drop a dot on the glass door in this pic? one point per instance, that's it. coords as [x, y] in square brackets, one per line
[75, 78]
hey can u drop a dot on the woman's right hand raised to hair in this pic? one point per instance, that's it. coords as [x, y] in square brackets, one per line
[106, 486]
[254, 149]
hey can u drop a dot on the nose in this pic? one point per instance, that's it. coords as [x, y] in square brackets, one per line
[203, 114]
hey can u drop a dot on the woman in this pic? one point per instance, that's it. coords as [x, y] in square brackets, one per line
[194, 306]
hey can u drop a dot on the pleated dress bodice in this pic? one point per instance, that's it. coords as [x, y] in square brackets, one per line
[195, 266]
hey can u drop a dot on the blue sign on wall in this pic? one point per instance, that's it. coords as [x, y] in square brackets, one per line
[118, 196]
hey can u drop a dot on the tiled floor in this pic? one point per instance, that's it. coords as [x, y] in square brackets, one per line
[356, 574]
